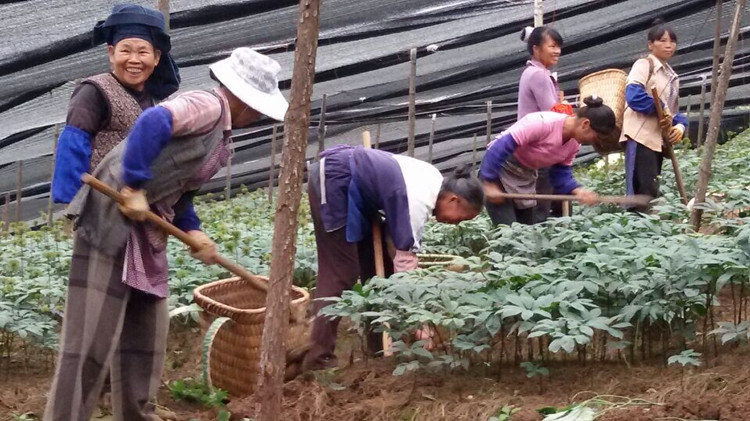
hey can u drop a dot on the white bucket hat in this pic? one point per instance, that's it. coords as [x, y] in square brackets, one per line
[253, 78]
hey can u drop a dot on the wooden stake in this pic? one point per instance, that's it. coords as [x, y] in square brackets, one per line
[19, 191]
[636, 199]
[284, 247]
[322, 128]
[412, 100]
[717, 107]
[50, 203]
[377, 247]
[272, 168]
[432, 139]
[701, 110]
[538, 13]
[163, 6]
[377, 136]
[717, 48]
[228, 188]
[489, 123]
[474, 152]
[6, 212]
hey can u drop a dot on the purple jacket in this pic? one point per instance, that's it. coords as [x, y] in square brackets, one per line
[537, 89]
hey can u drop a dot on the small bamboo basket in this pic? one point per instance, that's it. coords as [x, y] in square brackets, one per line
[447, 261]
[609, 85]
[232, 322]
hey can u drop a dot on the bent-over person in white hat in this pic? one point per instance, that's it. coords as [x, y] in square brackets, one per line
[116, 317]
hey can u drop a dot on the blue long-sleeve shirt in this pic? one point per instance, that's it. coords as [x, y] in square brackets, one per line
[149, 136]
[640, 101]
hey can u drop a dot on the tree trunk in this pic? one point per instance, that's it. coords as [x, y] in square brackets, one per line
[717, 107]
[273, 348]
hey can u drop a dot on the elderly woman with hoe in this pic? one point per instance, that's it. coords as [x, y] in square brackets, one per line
[104, 107]
[540, 140]
[116, 311]
[350, 187]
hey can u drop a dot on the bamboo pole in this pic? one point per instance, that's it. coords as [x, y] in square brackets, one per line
[412, 101]
[322, 128]
[432, 139]
[50, 202]
[272, 168]
[717, 107]
[283, 251]
[19, 190]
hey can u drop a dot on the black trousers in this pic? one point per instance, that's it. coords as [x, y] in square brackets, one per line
[644, 170]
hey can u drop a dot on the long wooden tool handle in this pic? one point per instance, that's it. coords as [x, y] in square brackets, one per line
[377, 246]
[173, 230]
[667, 147]
[637, 199]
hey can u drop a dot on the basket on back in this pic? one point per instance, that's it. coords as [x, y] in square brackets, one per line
[609, 85]
[232, 350]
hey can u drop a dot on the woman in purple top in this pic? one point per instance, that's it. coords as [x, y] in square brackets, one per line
[540, 140]
[538, 91]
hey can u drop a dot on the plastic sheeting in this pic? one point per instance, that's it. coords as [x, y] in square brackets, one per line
[362, 66]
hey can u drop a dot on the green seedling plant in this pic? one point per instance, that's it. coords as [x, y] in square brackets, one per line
[685, 358]
[536, 370]
[505, 413]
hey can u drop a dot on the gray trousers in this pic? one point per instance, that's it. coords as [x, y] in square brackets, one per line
[108, 328]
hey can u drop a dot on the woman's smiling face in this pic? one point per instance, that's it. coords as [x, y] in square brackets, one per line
[133, 61]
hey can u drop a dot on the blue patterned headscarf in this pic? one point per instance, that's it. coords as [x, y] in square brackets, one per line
[132, 21]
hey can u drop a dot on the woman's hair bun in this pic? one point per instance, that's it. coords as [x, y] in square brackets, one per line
[526, 33]
[657, 22]
[462, 171]
[593, 101]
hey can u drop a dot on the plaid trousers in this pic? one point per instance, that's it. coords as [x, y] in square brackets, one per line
[108, 328]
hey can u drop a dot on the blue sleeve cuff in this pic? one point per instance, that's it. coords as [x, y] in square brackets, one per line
[72, 159]
[680, 119]
[151, 132]
[188, 220]
[638, 100]
[561, 178]
[495, 158]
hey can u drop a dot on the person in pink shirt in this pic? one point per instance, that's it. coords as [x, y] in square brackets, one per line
[540, 140]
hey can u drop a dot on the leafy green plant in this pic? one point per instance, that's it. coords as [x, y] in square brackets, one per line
[505, 413]
[536, 370]
[685, 358]
[195, 391]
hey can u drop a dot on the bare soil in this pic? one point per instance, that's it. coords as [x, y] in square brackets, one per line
[365, 389]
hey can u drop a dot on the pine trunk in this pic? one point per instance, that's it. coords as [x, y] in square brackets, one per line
[717, 107]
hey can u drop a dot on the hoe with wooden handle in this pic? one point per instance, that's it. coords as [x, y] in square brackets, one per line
[667, 147]
[173, 230]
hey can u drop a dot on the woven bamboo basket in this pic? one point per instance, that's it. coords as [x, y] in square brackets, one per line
[447, 261]
[232, 347]
[608, 84]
